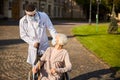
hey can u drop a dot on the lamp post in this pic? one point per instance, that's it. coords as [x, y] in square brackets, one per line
[90, 12]
[97, 14]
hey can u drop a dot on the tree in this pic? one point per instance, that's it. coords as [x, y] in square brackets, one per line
[113, 27]
[105, 8]
[109, 4]
[87, 11]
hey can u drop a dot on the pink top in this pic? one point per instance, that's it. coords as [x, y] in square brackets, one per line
[57, 59]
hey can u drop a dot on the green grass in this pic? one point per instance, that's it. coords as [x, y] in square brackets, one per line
[103, 45]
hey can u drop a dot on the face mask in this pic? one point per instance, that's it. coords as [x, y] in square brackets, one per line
[31, 18]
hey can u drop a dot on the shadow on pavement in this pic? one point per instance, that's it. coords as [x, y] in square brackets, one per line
[63, 23]
[69, 36]
[10, 22]
[99, 75]
[6, 42]
[14, 41]
[86, 35]
[10, 42]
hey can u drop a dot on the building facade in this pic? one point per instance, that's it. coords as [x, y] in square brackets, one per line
[54, 8]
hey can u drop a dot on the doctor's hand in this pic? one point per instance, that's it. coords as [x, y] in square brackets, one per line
[34, 70]
[36, 45]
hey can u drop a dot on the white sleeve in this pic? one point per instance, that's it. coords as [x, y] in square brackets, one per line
[50, 26]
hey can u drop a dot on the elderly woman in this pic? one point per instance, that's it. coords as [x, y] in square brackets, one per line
[55, 59]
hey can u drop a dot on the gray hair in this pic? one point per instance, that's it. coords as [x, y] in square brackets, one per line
[62, 39]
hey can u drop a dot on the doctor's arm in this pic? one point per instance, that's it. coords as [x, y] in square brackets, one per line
[50, 26]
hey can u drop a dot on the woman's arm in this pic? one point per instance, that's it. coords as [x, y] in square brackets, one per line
[41, 62]
[67, 67]
[37, 66]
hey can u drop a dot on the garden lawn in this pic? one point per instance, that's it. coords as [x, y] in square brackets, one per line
[103, 45]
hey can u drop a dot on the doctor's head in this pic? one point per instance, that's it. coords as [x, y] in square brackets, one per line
[30, 10]
[60, 39]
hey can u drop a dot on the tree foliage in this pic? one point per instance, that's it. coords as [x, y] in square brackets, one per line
[105, 7]
[85, 5]
[82, 2]
[109, 3]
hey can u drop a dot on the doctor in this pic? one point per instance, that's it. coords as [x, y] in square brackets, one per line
[33, 31]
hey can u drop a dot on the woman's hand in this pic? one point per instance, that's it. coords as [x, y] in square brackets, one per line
[53, 71]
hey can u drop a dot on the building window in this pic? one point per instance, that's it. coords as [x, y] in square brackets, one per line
[58, 11]
[1, 7]
[59, 1]
[54, 11]
[55, 0]
[26, 2]
[35, 3]
[10, 5]
[49, 10]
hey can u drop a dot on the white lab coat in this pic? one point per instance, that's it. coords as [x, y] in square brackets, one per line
[35, 31]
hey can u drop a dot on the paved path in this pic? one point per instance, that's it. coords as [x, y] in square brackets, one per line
[13, 54]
